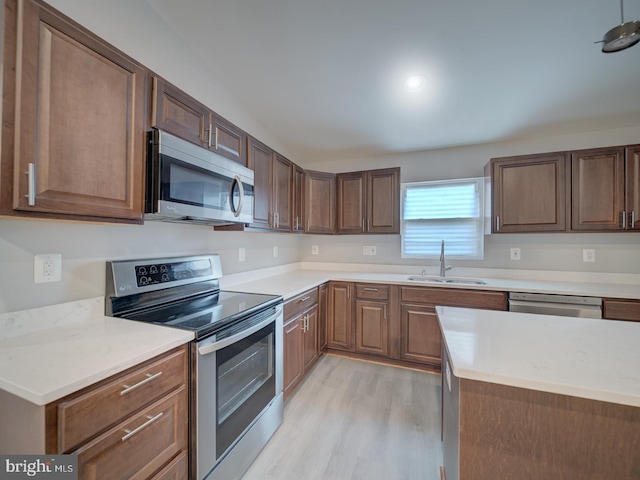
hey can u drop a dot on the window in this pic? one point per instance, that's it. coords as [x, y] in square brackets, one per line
[449, 210]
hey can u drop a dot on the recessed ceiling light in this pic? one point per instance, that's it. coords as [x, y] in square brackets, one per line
[415, 83]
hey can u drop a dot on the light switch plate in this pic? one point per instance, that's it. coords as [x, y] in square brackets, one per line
[515, 254]
[275, 251]
[369, 250]
[241, 254]
[314, 249]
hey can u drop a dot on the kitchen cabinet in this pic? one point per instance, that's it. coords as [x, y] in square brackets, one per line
[621, 309]
[606, 189]
[368, 201]
[372, 319]
[323, 306]
[529, 193]
[301, 343]
[420, 335]
[74, 120]
[597, 187]
[320, 202]
[273, 187]
[131, 425]
[340, 316]
[175, 112]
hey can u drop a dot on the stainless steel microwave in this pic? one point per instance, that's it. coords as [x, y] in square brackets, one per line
[188, 183]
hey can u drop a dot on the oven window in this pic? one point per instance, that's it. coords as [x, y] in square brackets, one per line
[245, 374]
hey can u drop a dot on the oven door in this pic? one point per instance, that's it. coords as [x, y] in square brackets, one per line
[239, 375]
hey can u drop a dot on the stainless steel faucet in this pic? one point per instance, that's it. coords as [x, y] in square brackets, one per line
[443, 267]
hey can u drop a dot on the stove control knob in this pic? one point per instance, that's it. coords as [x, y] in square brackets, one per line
[165, 277]
[142, 271]
[164, 268]
[153, 269]
[143, 280]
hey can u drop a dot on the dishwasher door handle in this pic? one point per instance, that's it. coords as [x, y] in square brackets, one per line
[549, 308]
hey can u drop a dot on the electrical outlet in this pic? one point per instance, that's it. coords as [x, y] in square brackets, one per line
[369, 250]
[314, 249]
[47, 267]
[275, 252]
[515, 254]
[241, 254]
[588, 255]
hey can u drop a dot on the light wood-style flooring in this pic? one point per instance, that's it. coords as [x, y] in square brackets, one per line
[356, 420]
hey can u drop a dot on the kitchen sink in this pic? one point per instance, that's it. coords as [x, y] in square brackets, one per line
[446, 280]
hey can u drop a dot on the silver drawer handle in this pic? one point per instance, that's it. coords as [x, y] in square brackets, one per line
[304, 299]
[150, 377]
[131, 433]
[367, 289]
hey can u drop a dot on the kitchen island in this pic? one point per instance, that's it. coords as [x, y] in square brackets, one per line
[530, 396]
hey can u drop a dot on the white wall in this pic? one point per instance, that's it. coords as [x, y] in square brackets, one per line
[615, 253]
[86, 247]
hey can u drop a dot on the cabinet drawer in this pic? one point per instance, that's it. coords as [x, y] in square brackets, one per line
[178, 469]
[454, 297]
[299, 304]
[622, 309]
[147, 440]
[86, 415]
[372, 291]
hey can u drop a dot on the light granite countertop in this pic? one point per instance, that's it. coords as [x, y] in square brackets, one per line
[47, 353]
[580, 357]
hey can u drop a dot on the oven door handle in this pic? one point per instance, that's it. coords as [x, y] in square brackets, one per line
[217, 345]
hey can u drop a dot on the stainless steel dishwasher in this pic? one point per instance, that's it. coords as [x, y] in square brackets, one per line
[549, 304]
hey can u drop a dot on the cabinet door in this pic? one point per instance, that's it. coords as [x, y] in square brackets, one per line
[228, 140]
[383, 201]
[175, 112]
[372, 328]
[310, 349]
[420, 334]
[298, 199]
[340, 325]
[292, 354]
[529, 193]
[282, 193]
[147, 440]
[260, 160]
[621, 309]
[79, 120]
[597, 189]
[178, 469]
[351, 202]
[632, 187]
[320, 202]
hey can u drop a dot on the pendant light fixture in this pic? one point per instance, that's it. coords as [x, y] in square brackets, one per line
[623, 36]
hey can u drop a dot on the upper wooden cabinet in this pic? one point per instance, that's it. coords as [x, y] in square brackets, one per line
[580, 191]
[273, 187]
[175, 112]
[529, 193]
[73, 120]
[320, 202]
[369, 201]
[298, 203]
[597, 186]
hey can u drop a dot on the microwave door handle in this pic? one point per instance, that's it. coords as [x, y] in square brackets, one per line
[236, 182]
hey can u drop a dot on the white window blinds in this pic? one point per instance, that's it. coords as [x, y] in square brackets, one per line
[449, 210]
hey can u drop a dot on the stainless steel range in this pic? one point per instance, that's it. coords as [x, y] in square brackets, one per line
[236, 400]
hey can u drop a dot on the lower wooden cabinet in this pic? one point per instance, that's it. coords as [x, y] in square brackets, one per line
[340, 316]
[420, 336]
[301, 338]
[132, 425]
[372, 327]
[621, 309]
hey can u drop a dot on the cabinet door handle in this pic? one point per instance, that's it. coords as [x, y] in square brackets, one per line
[497, 223]
[295, 224]
[369, 289]
[385, 312]
[348, 292]
[633, 220]
[131, 433]
[624, 220]
[210, 130]
[308, 223]
[149, 378]
[303, 299]
[31, 184]
[368, 224]
[363, 225]
[216, 135]
[306, 322]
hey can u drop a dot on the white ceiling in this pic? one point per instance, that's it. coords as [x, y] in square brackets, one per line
[326, 76]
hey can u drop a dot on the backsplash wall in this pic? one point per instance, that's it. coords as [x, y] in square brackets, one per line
[86, 247]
